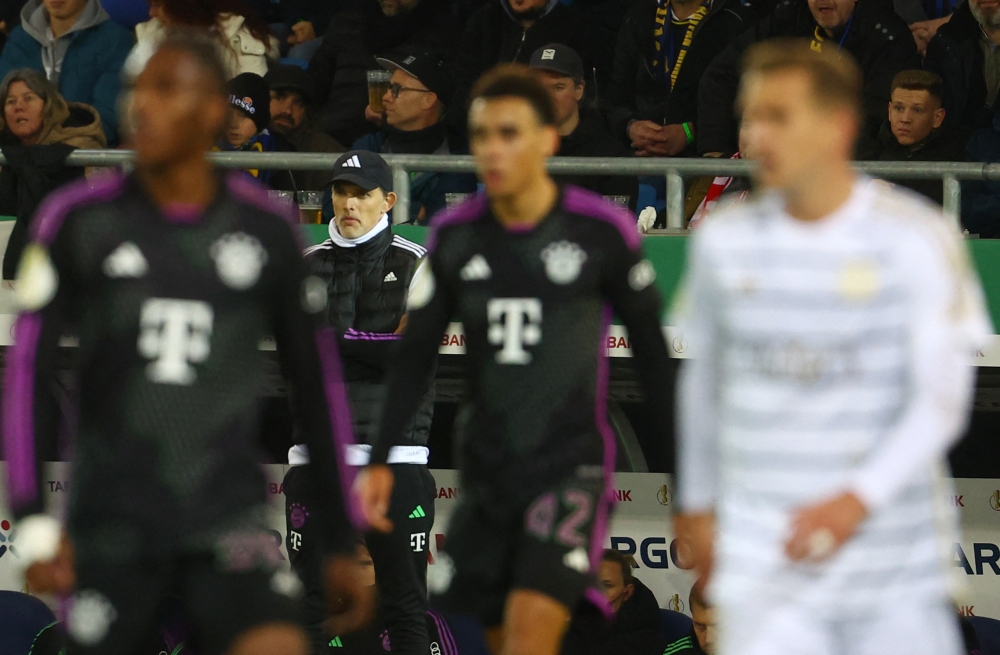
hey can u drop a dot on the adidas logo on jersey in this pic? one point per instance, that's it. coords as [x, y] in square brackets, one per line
[125, 261]
[352, 162]
[418, 513]
[390, 277]
[336, 643]
[476, 269]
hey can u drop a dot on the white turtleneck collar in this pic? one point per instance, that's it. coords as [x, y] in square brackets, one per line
[344, 242]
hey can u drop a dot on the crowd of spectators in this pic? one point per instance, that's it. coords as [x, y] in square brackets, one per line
[646, 78]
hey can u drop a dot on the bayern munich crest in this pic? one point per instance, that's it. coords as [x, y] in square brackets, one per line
[563, 261]
[239, 259]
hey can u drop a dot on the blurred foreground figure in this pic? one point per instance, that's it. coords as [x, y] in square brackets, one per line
[533, 271]
[171, 277]
[832, 321]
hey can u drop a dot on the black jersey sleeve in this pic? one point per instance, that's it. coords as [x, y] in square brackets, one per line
[629, 285]
[45, 290]
[430, 307]
[309, 361]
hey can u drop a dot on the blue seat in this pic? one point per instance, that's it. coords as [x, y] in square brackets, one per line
[674, 625]
[22, 617]
[988, 631]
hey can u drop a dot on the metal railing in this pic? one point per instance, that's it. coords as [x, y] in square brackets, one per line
[674, 170]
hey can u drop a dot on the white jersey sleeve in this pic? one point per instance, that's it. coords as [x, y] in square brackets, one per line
[695, 317]
[948, 322]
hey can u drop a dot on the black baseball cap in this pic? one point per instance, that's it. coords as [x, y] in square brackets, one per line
[558, 58]
[284, 77]
[428, 66]
[366, 169]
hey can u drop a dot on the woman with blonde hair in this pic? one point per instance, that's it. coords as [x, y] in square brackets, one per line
[38, 129]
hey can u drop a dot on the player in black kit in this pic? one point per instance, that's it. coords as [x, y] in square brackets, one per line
[171, 277]
[533, 271]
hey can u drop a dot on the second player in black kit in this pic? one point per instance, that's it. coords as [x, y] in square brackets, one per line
[536, 451]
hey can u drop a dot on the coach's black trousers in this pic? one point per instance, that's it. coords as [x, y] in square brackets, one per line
[400, 557]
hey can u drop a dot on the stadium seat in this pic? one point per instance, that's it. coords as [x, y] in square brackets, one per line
[674, 625]
[24, 617]
[988, 631]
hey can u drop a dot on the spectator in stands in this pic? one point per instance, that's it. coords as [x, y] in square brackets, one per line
[964, 53]
[244, 39]
[701, 641]
[250, 114]
[915, 129]
[414, 124]
[581, 127]
[869, 31]
[292, 97]
[506, 31]
[981, 199]
[663, 50]
[298, 24]
[355, 38]
[78, 48]
[38, 130]
[635, 629]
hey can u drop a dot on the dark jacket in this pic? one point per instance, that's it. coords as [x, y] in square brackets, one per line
[635, 629]
[687, 645]
[365, 308]
[305, 138]
[639, 94]
[493, 36]
[981, 199]
[427, 189]
[591, 139]
[350, 45]
[31, 172]
[877, 38]
[955, 54]
[944, 144]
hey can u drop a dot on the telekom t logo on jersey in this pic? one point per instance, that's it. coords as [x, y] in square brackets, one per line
[174, 334]
[514, 324]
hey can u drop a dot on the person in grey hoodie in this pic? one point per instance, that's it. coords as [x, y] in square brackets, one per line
[79, 49]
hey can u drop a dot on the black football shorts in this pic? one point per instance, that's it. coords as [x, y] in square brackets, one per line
[119, 606]
[551, 544]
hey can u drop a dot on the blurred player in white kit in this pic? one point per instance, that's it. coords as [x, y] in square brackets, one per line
[832, 322]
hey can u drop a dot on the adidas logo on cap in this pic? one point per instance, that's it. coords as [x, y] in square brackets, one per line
[352, 162]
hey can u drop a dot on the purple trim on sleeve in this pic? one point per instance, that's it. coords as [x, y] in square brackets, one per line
[340, 419]
[586, 203]
[447, 640]
[466, 212]
[57, 206]
[602, 514]
[18, 412]
[355, 335]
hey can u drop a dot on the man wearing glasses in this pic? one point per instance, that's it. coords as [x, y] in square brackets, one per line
[413, 123]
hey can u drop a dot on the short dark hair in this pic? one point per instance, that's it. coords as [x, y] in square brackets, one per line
[203, 50]
[697, 596]
[834, 77]
[918, 80]
[516, 81]
[623, 561]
